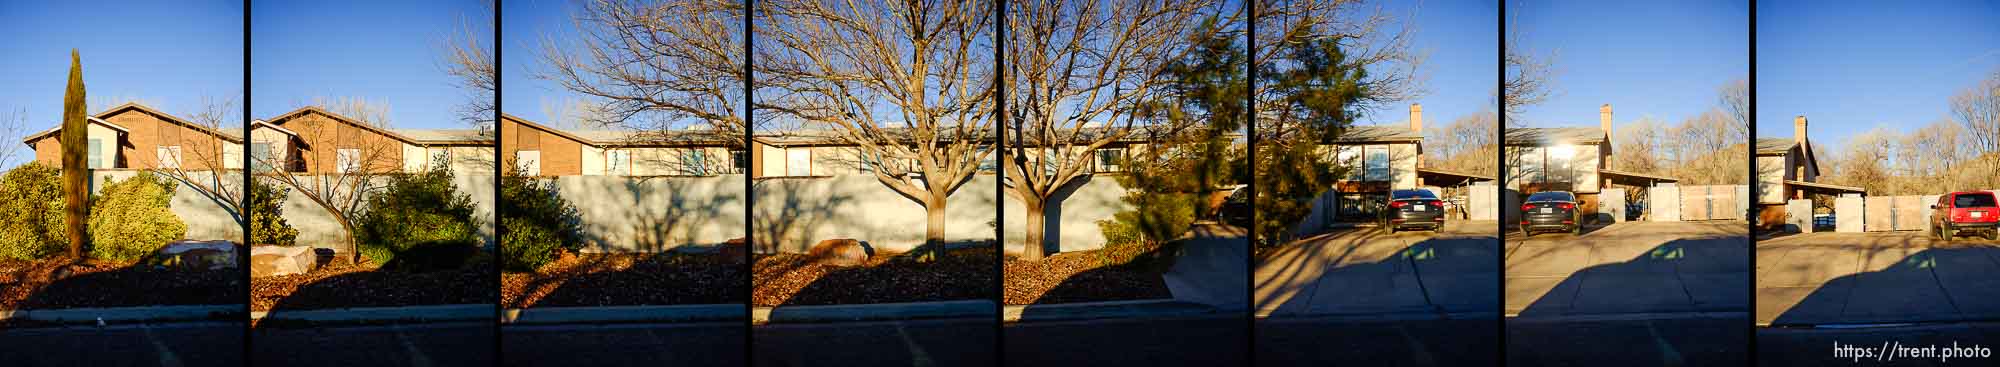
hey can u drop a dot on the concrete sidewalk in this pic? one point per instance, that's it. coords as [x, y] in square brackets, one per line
[1631, 267]
[1369, 271]
[1212, 267]
[1876, 277]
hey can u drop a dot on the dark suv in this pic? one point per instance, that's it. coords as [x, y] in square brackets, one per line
[1415, 208]
[1550, 211]
[1961, 212]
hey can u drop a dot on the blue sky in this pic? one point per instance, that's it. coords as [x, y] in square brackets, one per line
[383, 51]
[1852, 66]
[1461, 39]
[169, 55]
[526, 23]
[1663, 59]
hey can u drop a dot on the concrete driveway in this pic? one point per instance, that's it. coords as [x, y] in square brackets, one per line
[1630, 268]
[1370, 271]
[1876, 277]
[1209, 270]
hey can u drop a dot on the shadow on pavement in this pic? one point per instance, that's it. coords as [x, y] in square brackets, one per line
[1938, 284]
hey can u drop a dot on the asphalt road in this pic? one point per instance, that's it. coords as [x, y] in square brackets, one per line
[1816, 346]
[1338, 342]
[422, 345]
[1212, 340]
[691, 345]
[920, 343]
[165, 345]
[1666, 342]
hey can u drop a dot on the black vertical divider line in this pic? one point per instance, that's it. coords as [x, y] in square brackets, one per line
[243, 259]
[1750, 331]
[1000, 183]
[1500, 192]
[749, 189]
[1250, 145]
[499, 351]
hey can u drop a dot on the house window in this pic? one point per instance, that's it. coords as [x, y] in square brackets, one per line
[798, 162]
[697, 161]
[1531, 165]
[1378, 163]
[865, 163]
[1349, 157]
[347, 160]
[1110, 159]
[260, 157]
[96, 154]
[528, 162]
[1559, 164]
[440, 157]
[170, 156]
[618, 162]
[739, 161]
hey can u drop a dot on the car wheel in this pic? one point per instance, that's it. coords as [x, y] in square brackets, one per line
[1576, 230]
[1526, 233]
[1947, 233]
[1992, 235]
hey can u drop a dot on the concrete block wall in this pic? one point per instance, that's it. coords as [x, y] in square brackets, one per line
[1071, 221]
[317, 228]
[626, 214]
[792, 213]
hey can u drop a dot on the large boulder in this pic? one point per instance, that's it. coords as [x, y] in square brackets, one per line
[270, 261]
[840, 252]
[195, 255]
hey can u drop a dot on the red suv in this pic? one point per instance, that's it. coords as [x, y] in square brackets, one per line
[1961, 212]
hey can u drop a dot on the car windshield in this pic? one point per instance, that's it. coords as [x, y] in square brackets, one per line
[1412, 194]
[1551, 196]
[1972, 201]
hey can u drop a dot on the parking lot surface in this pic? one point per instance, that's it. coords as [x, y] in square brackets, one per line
[1370, 271]
[1630, 268]
[1876, 277]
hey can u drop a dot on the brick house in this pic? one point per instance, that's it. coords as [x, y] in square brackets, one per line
[134, 136]
[312, 140]
[539, 150]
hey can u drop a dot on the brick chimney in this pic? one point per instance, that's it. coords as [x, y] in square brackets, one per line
[1604, 119]
[1417, 118]
[1799, 130]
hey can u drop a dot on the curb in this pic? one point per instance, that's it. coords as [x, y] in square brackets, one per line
[126, 314]
[460, 312]
[1639, 316]
[1164, 307]
[607, 314]
[1384, 317]
[872, 312]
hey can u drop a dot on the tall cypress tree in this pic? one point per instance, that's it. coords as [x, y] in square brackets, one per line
[75, 143]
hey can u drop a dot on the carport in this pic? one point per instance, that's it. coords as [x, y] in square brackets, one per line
[1458, 187]
[1613, 200]
[1803, 222]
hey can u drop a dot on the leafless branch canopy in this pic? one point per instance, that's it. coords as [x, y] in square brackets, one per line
[656, 65]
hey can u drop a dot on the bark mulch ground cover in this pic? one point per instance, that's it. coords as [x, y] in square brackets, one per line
[1112, 274]
[338, 285]
[797, 279]
[93, 283]
[669, 278]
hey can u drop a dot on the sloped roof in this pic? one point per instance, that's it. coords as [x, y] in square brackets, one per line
[1554, 135]
[100, 116]
[1378, 134]
[445, 136]
[1775, 146]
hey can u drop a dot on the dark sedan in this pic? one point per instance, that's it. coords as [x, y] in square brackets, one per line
[1415, 209]
[1550, 211]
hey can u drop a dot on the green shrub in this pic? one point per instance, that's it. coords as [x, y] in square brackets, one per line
[1153, 220]
[414, 214]
[538, 221]
[32, 198]
[132, 218]
[267, 221]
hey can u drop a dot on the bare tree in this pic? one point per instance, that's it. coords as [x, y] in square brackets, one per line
[1529, 76]
[908, 83]
[1075, 70]
[655, 65]
[12, 129]
[1370, 39]
[1638, 146]
[1467, 144]
[339, 183]
[201, 162]
[468, 58]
